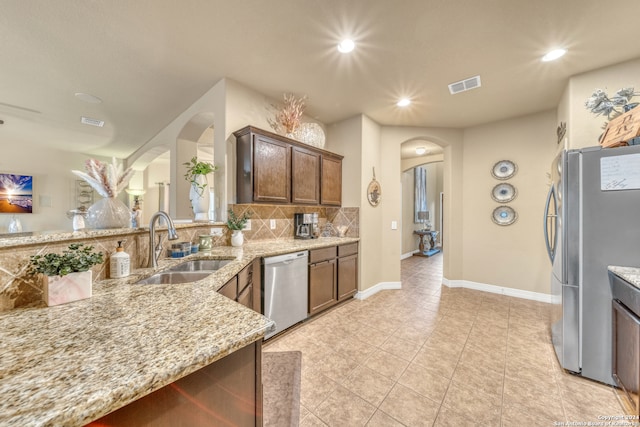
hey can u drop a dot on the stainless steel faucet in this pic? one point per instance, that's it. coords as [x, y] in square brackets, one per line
[155, 250]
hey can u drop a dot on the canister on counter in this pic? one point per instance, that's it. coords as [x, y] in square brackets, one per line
[205, 242]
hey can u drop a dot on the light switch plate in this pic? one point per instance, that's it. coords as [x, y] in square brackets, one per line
[394, 225]
[248, 225]
[272, 224]
[216, 231]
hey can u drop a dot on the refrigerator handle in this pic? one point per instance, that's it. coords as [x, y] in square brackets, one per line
[550, 241]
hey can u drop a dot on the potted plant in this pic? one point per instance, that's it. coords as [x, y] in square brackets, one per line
[197, 172]
[66, 277]
[236, 224]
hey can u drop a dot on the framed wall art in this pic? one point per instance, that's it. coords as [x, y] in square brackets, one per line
[16, 193]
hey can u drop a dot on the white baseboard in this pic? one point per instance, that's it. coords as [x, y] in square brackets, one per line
[382, 286]
[408, 254]
[517, 293]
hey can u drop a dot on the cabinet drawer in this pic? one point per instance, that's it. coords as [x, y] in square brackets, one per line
[346, 250]
[317, 255]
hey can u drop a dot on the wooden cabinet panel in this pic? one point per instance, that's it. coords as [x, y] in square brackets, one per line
[331, 178]
[346, 250]
[305, 170]
[274, 169]
[230, 289]
[271, 170]
[245, 278]
[246, 297]
[226, 392]
[347, 276]
[322, 286]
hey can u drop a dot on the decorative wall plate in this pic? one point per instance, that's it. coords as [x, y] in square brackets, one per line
[503, 193]
[504, 169]
[504, 215]
[374, 192]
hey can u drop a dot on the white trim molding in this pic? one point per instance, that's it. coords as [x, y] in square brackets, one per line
[517, 293]
[382, 286]
[408, 254]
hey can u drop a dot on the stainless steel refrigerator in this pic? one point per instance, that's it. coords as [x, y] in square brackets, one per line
[592, 220]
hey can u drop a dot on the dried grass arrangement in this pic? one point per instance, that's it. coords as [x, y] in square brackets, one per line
[287, 117]
[108, 179]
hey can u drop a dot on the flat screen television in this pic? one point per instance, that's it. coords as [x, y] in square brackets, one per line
[16, 193]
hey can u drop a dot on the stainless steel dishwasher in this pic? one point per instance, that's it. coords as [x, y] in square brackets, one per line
[285, 289]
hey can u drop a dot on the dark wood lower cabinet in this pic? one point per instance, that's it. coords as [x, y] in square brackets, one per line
[322, 285]
[241, 288]
[226, 393]
[347, 276]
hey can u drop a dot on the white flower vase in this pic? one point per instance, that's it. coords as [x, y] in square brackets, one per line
[199, 196]
[237, 238]
[108, 213]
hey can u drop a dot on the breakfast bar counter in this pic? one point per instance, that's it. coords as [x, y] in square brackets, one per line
[72, 364]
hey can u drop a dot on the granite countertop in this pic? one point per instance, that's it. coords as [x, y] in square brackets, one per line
[630, 274]
[73, 363]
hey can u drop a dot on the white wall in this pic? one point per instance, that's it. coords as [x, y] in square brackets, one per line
[510, 256]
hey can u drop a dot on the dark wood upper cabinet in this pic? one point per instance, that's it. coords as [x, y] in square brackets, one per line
[331, 192]
[274, 169]
[305, 167]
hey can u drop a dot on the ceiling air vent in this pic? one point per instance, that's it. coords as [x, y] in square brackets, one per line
[92, 122]
[464, 85]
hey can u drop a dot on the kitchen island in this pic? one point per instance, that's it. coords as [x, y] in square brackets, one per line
[74, 363]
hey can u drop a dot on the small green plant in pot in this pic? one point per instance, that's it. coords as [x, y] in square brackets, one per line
[196, 168]
[67, 276]
[236, 224]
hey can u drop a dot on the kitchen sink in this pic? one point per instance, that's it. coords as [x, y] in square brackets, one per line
[174, 277]
[201, 265]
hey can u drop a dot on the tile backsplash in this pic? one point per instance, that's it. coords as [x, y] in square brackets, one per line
[261, 216]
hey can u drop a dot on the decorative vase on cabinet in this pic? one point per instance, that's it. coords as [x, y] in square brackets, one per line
[199, 198]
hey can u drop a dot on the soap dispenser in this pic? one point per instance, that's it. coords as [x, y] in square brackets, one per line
[120, 262]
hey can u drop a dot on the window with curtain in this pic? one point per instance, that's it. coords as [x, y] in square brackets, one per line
[421, 212]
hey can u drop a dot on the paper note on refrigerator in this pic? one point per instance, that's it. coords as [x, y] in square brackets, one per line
[620, 172]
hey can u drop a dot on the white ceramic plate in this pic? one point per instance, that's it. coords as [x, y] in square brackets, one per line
[504, 215]
[504, 169]
[503, 193]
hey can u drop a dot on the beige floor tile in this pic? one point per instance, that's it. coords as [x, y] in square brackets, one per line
[372, 336]
[368, 384]
[355, 349]
[586, 400]
[517, 417]
[345, 408]
[483, 379]
[425, 381]
[315, 388]
[409, 407]
[386, 364]
[335, 366]
[533, 399]
[450, 418]
[475, 356]
[310, 421]
[380, 419]
[473, 404]
[402, 348]
[441, 359]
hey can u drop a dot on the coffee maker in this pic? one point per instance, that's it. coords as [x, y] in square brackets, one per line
[305, 225]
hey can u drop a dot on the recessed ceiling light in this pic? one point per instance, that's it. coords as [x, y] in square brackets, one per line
[346, 46]
[553, 55]
[403, 102]
[87, 97]
[420, 151]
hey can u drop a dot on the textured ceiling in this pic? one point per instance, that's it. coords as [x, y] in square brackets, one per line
[149, 60]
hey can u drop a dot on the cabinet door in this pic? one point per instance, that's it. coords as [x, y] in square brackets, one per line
[347, 276]
[230, 289]
[322, 286]
[245, 278]
[305, 186]
[246, 297]
[271, 170]
[331, 189]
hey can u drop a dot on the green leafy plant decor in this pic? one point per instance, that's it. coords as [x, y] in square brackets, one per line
[75, 259]
[194, 168]
[234, 222]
